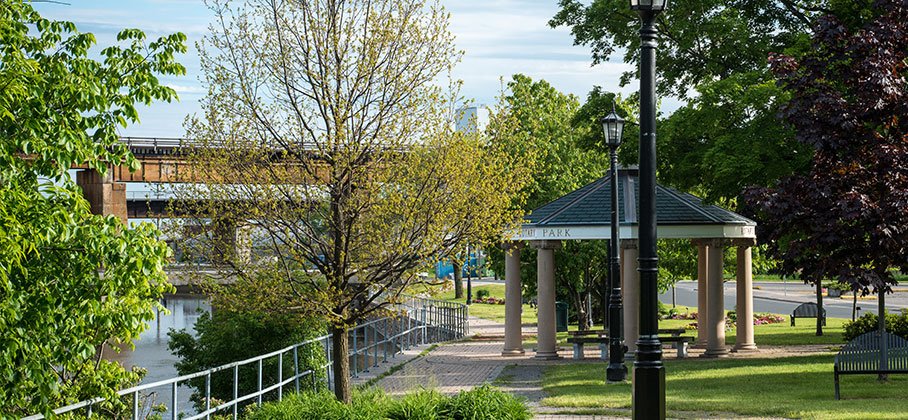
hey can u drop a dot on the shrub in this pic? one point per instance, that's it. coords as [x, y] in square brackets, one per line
[486, 403]
[228, 336]
[482, 403]
[482, 293]
[420, 405]
[895, 323]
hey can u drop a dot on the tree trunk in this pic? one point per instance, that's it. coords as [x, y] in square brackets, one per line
[854, 305]
[458, 280]
[819, 308]
[341, 363]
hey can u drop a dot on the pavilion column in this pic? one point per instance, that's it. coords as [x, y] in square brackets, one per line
[513, 299]
[715, 346]
[630, 280]
[744, 340]
[545, 295]
[702, 311]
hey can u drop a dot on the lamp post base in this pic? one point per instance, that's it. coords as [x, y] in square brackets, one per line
[651, 380]
[616, 373]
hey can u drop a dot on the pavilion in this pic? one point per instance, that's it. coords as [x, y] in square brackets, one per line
[584, 215]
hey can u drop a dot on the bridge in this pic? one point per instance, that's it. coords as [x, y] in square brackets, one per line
[162, 160]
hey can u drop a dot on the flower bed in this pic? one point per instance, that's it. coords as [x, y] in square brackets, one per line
[491, 300]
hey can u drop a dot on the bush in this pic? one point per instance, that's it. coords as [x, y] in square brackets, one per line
[486, 403]
[482, 403]
[482, 293]
[895, 323]
[228, 336]
[420, 405]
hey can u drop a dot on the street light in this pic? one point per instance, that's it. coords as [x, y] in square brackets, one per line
[648, 397]
[613, 126]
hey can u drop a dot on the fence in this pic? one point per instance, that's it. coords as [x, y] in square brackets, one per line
[418, 321]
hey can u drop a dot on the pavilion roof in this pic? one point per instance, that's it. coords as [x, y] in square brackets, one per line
[585, 214]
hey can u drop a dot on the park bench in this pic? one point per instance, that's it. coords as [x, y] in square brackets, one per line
[578, 341]
[579, 338]
[864, 356]
[807, 310]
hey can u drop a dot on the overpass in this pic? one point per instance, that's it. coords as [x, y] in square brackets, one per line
[162, 160]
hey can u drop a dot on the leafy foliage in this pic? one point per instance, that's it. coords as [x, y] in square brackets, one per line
[333, 149]
[480, 403]
[227, 336]
[896, 323]
[727, 137]
[845, 219]
[71, 283]
[536, 123]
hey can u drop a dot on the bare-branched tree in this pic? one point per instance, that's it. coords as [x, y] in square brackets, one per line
[327, 156]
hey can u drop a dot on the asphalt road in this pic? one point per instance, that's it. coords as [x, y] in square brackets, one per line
[782, 298]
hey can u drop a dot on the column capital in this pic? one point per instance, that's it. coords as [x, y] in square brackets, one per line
[546, 244]
[509, 245]
[744, 242]
[700, 242]
[628, 243]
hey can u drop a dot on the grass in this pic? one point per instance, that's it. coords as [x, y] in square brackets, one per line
[486, 311]
[782, 334]
[792, 387]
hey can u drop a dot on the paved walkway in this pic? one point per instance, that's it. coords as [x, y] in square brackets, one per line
[465, 364]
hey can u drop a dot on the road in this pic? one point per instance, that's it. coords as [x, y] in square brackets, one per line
[782, 298]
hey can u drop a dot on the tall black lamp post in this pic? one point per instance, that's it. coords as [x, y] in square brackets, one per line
[648, 400]
[613, 125]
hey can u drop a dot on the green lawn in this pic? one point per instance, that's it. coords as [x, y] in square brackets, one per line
[486, 311]
[782, 334]
[793, 387]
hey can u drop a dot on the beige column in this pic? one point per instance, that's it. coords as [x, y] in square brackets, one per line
[744, 340]
[630, 279]
[715, 346]
[513, 334]
[702, 311]
[545, 299]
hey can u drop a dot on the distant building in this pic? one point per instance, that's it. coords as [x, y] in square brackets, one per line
[470, 119]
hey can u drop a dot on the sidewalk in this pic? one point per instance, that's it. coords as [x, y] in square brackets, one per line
[465, 364]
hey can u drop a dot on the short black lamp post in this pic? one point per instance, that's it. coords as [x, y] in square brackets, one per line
[648, 400]
[613, 125]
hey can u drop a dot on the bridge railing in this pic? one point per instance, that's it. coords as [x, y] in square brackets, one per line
[418, 321]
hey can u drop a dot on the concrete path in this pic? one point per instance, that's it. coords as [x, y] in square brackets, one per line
[463, 365]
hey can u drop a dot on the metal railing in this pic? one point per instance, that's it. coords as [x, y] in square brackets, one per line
[418, 321]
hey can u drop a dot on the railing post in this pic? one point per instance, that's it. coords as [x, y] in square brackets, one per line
[330, 359]
[208, 395]
[236, 381]
[258, 399]
[280, 376]
[296, 368]
[385, 342]
[375, 345]
[173, 401]
[135, 405]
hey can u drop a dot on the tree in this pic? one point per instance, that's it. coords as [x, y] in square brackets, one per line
[71, 283]
[325, 134]
[534, 122]
[845, 219]
[728, 134]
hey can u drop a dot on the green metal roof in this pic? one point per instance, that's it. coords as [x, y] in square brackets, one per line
[590, 205]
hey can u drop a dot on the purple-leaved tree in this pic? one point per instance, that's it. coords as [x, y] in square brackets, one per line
[846, 219]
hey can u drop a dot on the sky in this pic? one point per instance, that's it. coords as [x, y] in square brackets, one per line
[499, 38]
